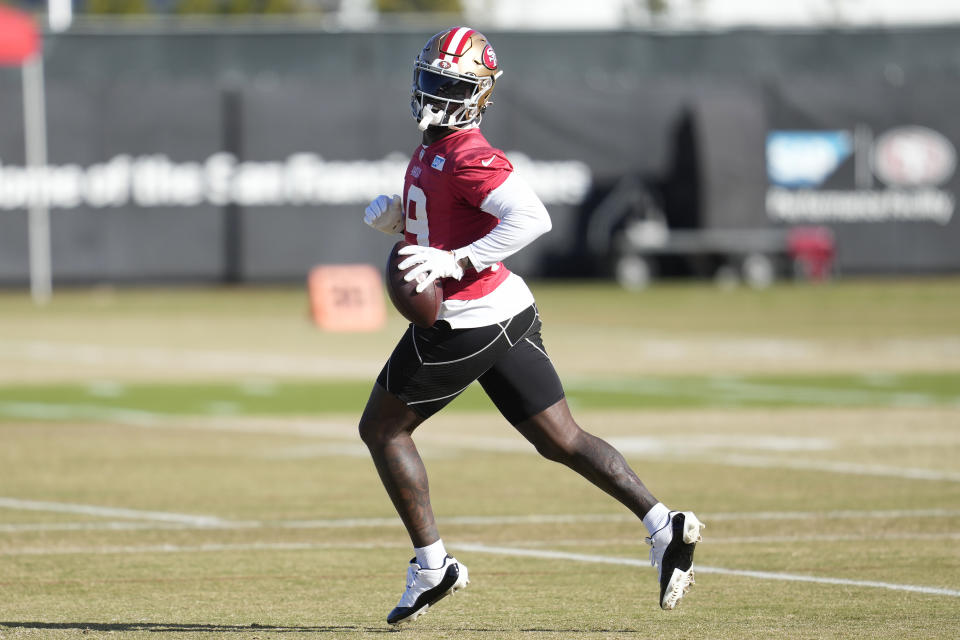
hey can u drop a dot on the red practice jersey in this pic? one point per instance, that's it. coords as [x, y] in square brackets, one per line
[443, 189]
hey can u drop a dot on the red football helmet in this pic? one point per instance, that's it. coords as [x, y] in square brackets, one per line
[453, 79]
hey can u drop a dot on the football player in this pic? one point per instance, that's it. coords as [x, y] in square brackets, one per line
[464, 210]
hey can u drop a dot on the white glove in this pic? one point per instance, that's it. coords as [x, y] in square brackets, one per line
[431, 264]
[384, 214]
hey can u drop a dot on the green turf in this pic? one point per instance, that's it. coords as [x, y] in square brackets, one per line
[845, 473]
[266, 578]
[266, 397]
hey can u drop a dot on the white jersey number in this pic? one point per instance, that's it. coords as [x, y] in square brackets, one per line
[416, 209]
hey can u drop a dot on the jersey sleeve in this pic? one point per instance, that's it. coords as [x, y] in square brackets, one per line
[478, 172]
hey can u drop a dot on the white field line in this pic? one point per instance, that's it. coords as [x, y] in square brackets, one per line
[714, 540]
[820, 395]
[186, 360]
[109, 512]
[837, 513]
[181, 522]
[137, 418]
[528, 546]
[30, 527]
[115, 415]
[199, 548]
[693, 443]
[874, 537]
[295, 546]
[544, 554]
[760, 575]
[635, 446]
[733, 390]
[841, 467]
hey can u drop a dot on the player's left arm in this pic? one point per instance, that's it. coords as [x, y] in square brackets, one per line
[523, 219]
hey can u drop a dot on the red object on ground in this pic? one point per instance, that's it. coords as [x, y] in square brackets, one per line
[347, 297]
[813, 250]
[18, 36]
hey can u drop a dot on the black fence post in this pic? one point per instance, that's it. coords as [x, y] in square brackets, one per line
[231, 107]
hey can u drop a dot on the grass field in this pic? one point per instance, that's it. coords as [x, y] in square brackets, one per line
[184, 463]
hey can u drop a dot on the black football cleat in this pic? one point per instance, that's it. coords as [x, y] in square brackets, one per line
[425, 587]
[672, 554]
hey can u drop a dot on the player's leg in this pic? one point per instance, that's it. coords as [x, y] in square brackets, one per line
[427, 369]
[386, 428]
[673, 534]
[525, 387]
[558, 437]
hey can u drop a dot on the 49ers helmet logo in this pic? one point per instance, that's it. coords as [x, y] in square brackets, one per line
[489, 57]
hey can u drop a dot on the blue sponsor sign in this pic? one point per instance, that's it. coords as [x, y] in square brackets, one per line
[805, 158]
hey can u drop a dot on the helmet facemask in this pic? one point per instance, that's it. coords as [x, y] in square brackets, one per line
[452, 90]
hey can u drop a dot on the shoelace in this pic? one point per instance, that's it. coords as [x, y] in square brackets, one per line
[653, 559]
[649, 540]
[411, 576]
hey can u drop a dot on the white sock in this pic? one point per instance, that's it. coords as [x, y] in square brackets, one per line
[431, 556]
[657, 518]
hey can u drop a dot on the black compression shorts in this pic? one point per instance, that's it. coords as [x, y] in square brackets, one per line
[430, 367]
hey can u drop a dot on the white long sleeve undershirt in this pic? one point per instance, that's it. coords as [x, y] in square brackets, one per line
[523, 219]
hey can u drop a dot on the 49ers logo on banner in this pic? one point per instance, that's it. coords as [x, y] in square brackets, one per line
[489, 58]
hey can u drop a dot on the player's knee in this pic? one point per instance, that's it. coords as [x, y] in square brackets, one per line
[372, 432]
[561, 446]
[375, 431]
[551, 451]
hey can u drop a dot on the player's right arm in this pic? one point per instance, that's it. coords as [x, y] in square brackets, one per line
[385, 214]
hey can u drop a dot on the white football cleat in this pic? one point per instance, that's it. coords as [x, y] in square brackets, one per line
[671, 553]
[427, 586]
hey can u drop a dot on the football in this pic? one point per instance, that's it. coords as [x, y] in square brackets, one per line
[421, 308]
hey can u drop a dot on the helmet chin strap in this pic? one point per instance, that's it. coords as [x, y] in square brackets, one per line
[429, 116]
